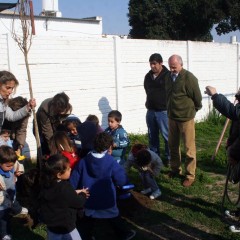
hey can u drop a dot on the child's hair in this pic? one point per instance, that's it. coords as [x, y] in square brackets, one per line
[7, 155]
[138, 147]
[54, 165]
[60, 142]
[5, 131]
[102, 142]
[143, 158]
[116, 115]
[93, 118]
[17, 103]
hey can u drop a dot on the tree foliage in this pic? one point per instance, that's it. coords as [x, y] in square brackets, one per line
[182, 19]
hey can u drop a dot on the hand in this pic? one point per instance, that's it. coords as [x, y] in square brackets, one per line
[18, 173]
[210, 91]
[145, 168]
[84, 190]
[32, 103]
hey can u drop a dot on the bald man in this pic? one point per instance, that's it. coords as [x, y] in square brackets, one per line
[184, 99]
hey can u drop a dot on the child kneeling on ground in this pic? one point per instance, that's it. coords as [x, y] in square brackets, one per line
[149, 164]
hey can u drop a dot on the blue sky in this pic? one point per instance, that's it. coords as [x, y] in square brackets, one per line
[113, 12]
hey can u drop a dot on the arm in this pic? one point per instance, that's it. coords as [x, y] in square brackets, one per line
[21, 132]
[121, 140]
[156, 163]
[44, 124]
[129, 163]
[74, 200]
[13, 116]
[119, 175]
[145, 83]
[223, 105]
[194, 92]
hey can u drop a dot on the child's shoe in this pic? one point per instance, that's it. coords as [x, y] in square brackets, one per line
[7, 237]
[234, 229]
[232, 214]
[146, 191]
[155, 194]
[24, 211]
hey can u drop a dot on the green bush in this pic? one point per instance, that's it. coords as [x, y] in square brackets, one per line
[215, 117]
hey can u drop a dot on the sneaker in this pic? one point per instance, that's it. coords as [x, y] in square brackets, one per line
[7, 237]
[234, 229]
[232, 214]
[146, 191]
[155, 194]
[130, 235]
[24, 211]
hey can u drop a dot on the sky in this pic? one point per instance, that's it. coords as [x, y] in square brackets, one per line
[113, 12]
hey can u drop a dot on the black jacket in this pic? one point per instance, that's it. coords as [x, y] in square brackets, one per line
[225, 107]
[155, 90]
[58, 207]
[231, 111]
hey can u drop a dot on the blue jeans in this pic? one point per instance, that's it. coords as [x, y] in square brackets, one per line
[157, 122]
[148, 180]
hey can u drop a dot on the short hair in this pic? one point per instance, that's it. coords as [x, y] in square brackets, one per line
[4, 131]
[102, 142]
[138, 147]
[60, 104]
[156, 57]
[17, 103]
[93, 118]
[143, 158]
[7, 155]
[116, 115]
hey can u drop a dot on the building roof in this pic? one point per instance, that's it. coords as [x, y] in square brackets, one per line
[95, 19]
[4, 6]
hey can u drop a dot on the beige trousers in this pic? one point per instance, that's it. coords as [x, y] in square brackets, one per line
[186, 131]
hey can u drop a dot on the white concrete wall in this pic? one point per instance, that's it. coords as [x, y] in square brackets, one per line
[100, 74]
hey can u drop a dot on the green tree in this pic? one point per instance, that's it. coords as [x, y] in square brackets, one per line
[231, 18]
[182, 19]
